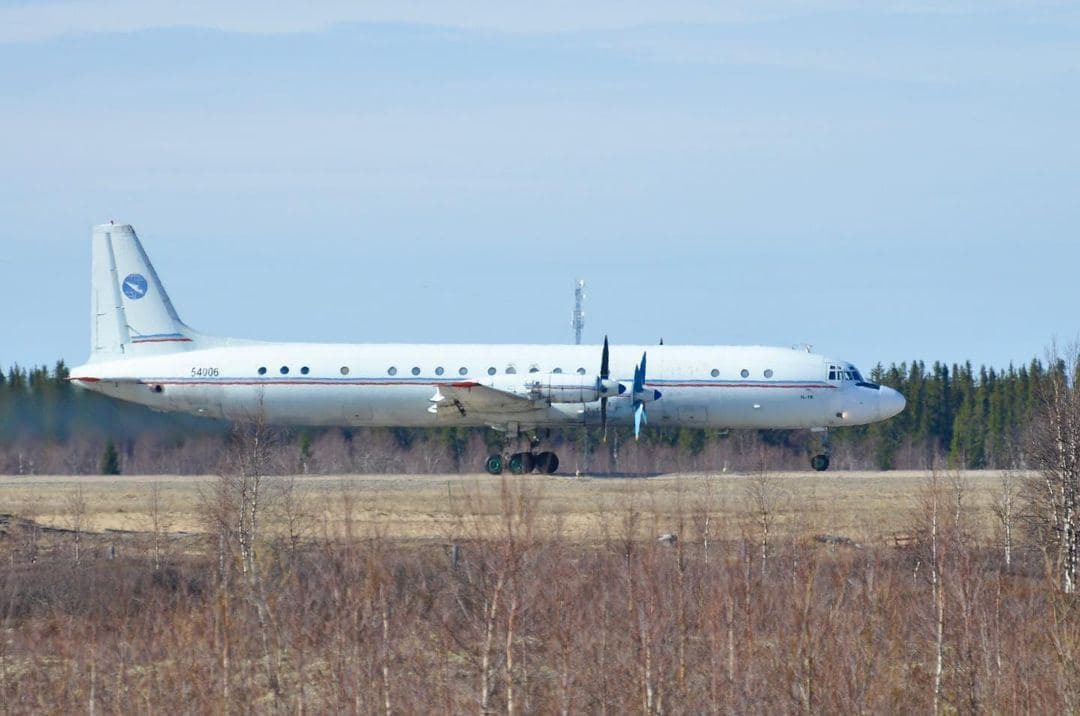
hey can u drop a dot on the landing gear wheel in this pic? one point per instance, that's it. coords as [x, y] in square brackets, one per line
[494, 464]
[520, 463]
[547, 463]
[820, 462]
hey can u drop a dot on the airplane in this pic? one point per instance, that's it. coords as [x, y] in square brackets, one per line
[140, 351]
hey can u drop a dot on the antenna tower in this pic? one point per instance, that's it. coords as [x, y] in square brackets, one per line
[577, 319]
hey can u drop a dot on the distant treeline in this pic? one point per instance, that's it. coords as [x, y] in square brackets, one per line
[957, 416]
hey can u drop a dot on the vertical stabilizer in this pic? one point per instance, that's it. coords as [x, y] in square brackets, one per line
[130, 313]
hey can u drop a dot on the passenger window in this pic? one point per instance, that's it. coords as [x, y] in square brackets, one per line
[557, 370]
[714, 372]
[344, 370]
[581, 371]
[511, 370]
[491, 370]
[744, 373]
[284, 370]
[305, 370]
[439, 370]
[391, 370]
[534, 368]
[415, 371]
[262, 370]
[463, 370]
[768, 373]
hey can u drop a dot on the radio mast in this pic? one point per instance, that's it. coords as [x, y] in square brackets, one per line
[577, 319]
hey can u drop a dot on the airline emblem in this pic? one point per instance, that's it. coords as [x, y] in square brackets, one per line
[134, 286]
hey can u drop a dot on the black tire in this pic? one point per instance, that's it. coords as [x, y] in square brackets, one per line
[547, 463]
[820, 462]
[517, 463]
[494, 464]
[528, 462]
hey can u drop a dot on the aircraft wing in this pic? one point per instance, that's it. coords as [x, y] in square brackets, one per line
[471, 398]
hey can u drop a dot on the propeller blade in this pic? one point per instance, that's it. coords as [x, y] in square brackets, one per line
[639, 376]
[639, 418]
[603, 418]
[637, 396]
[605, 373]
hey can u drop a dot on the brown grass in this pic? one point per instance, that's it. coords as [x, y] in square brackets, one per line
[868, 507]
[525, 595]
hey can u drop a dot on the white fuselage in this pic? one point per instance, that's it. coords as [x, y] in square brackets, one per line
[393, 384]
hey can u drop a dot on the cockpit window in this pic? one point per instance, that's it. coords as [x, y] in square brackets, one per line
[846, 373]
[840, 372]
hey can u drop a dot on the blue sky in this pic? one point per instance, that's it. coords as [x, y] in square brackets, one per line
[884, 182]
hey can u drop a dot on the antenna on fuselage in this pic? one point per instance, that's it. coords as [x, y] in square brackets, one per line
[577, 318]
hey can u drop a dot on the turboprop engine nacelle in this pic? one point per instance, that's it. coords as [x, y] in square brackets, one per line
[647, 395]
[564, 388]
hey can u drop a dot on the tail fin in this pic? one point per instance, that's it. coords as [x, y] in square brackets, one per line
[130, 313]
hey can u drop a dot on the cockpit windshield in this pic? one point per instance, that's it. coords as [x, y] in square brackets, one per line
[845, 372]
[848, 373]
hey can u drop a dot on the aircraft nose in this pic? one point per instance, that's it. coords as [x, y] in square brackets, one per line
[890, 403]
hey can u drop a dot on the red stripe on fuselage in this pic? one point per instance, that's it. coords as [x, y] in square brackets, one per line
[469, 384]
[739, 385]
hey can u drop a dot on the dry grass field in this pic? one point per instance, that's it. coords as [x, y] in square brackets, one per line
[868, 507]
[470, 593]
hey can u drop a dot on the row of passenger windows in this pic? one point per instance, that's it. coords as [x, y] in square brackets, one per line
[392, 370]
[510, 370]
[715, 373]
[304, 370]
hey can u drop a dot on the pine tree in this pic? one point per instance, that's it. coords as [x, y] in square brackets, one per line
[110, 460]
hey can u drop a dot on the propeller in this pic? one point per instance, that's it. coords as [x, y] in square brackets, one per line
[640, 397]
[605, 373]
[639, 404]
[605, 386]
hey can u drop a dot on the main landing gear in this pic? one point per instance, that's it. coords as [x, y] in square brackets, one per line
[522, 463]
[820, 462]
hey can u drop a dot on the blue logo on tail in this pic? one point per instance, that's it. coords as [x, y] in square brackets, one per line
[134, 286]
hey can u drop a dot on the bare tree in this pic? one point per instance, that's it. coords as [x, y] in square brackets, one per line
[75, 508]
[290, 510]
[762, 495]
[160, 521]
[932, 526]
[1005, 505]
[1053, 496]
[233, 510]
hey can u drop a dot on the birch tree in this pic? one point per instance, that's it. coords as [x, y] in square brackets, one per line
[1052, 495]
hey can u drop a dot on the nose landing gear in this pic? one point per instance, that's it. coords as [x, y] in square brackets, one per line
[820, 462]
